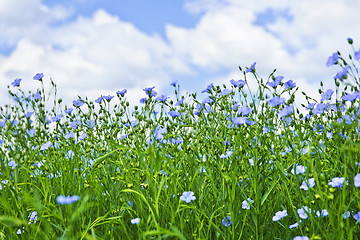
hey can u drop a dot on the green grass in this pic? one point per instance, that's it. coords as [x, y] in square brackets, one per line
[123, 170]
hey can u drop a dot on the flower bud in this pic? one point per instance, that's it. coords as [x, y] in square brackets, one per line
[350, 41]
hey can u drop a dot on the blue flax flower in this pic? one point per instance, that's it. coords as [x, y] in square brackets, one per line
[29, 114]
[303, 212]
[207, 100]
[38, 76]
[37, 96]
[187, 197]
[275, 101]
[90, 123]
[135, 221]
[294, 225]
[12, 164]
[351, 97]
[332, 59]
[265, 129]
[225, 92]
[208, 88]
[357, 217]
[67, 199]
[239, 83]
[33, 217]
[122, 92]
[69, 135]
[357, 55]
[287, 121]
[346, 118]
[249, 122]
[15, 122]
[301, 238]
[286, 111]
[226, 221]
[82, 136]
[337, 182]
[357, 180]
[327, 95]
[251, 161]
[45, 146]
[56, 118]
[173, 83]
[343, 73]
[323, 213]
[31, 132]
[310, 183]
[75, 124]
[98, 100]
[150, 92]
[108, 98]
[134, 123]
[276, 82]
[47, 120]
[177, 141]
[227, 155]
[239, 120]
[246, 203]
[78, 103]
[279, 215]
[162, 98]
[178, 103]
[174, 114]
[159, 131]
[124, 136]
[245, 110]
[289, 84]
[68, 111]
[235, 106]
[346, 215]
[299, 169]
[16, 82]
[20, 231]
[319, 109]
[310, 106]
[251, 69]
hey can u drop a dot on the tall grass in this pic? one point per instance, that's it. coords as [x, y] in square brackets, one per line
[235, 165]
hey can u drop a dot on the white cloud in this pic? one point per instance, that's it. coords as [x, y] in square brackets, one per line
[226, 37]
[98, 54]
[27, 18]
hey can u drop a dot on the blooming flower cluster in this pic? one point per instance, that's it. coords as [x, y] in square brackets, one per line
[230, 145]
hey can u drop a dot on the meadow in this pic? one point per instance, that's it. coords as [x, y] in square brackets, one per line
[237, 164]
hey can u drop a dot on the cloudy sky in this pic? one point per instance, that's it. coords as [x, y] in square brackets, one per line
[97, 47]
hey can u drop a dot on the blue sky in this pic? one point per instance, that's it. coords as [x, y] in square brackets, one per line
[148, 16]
[96, 47]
